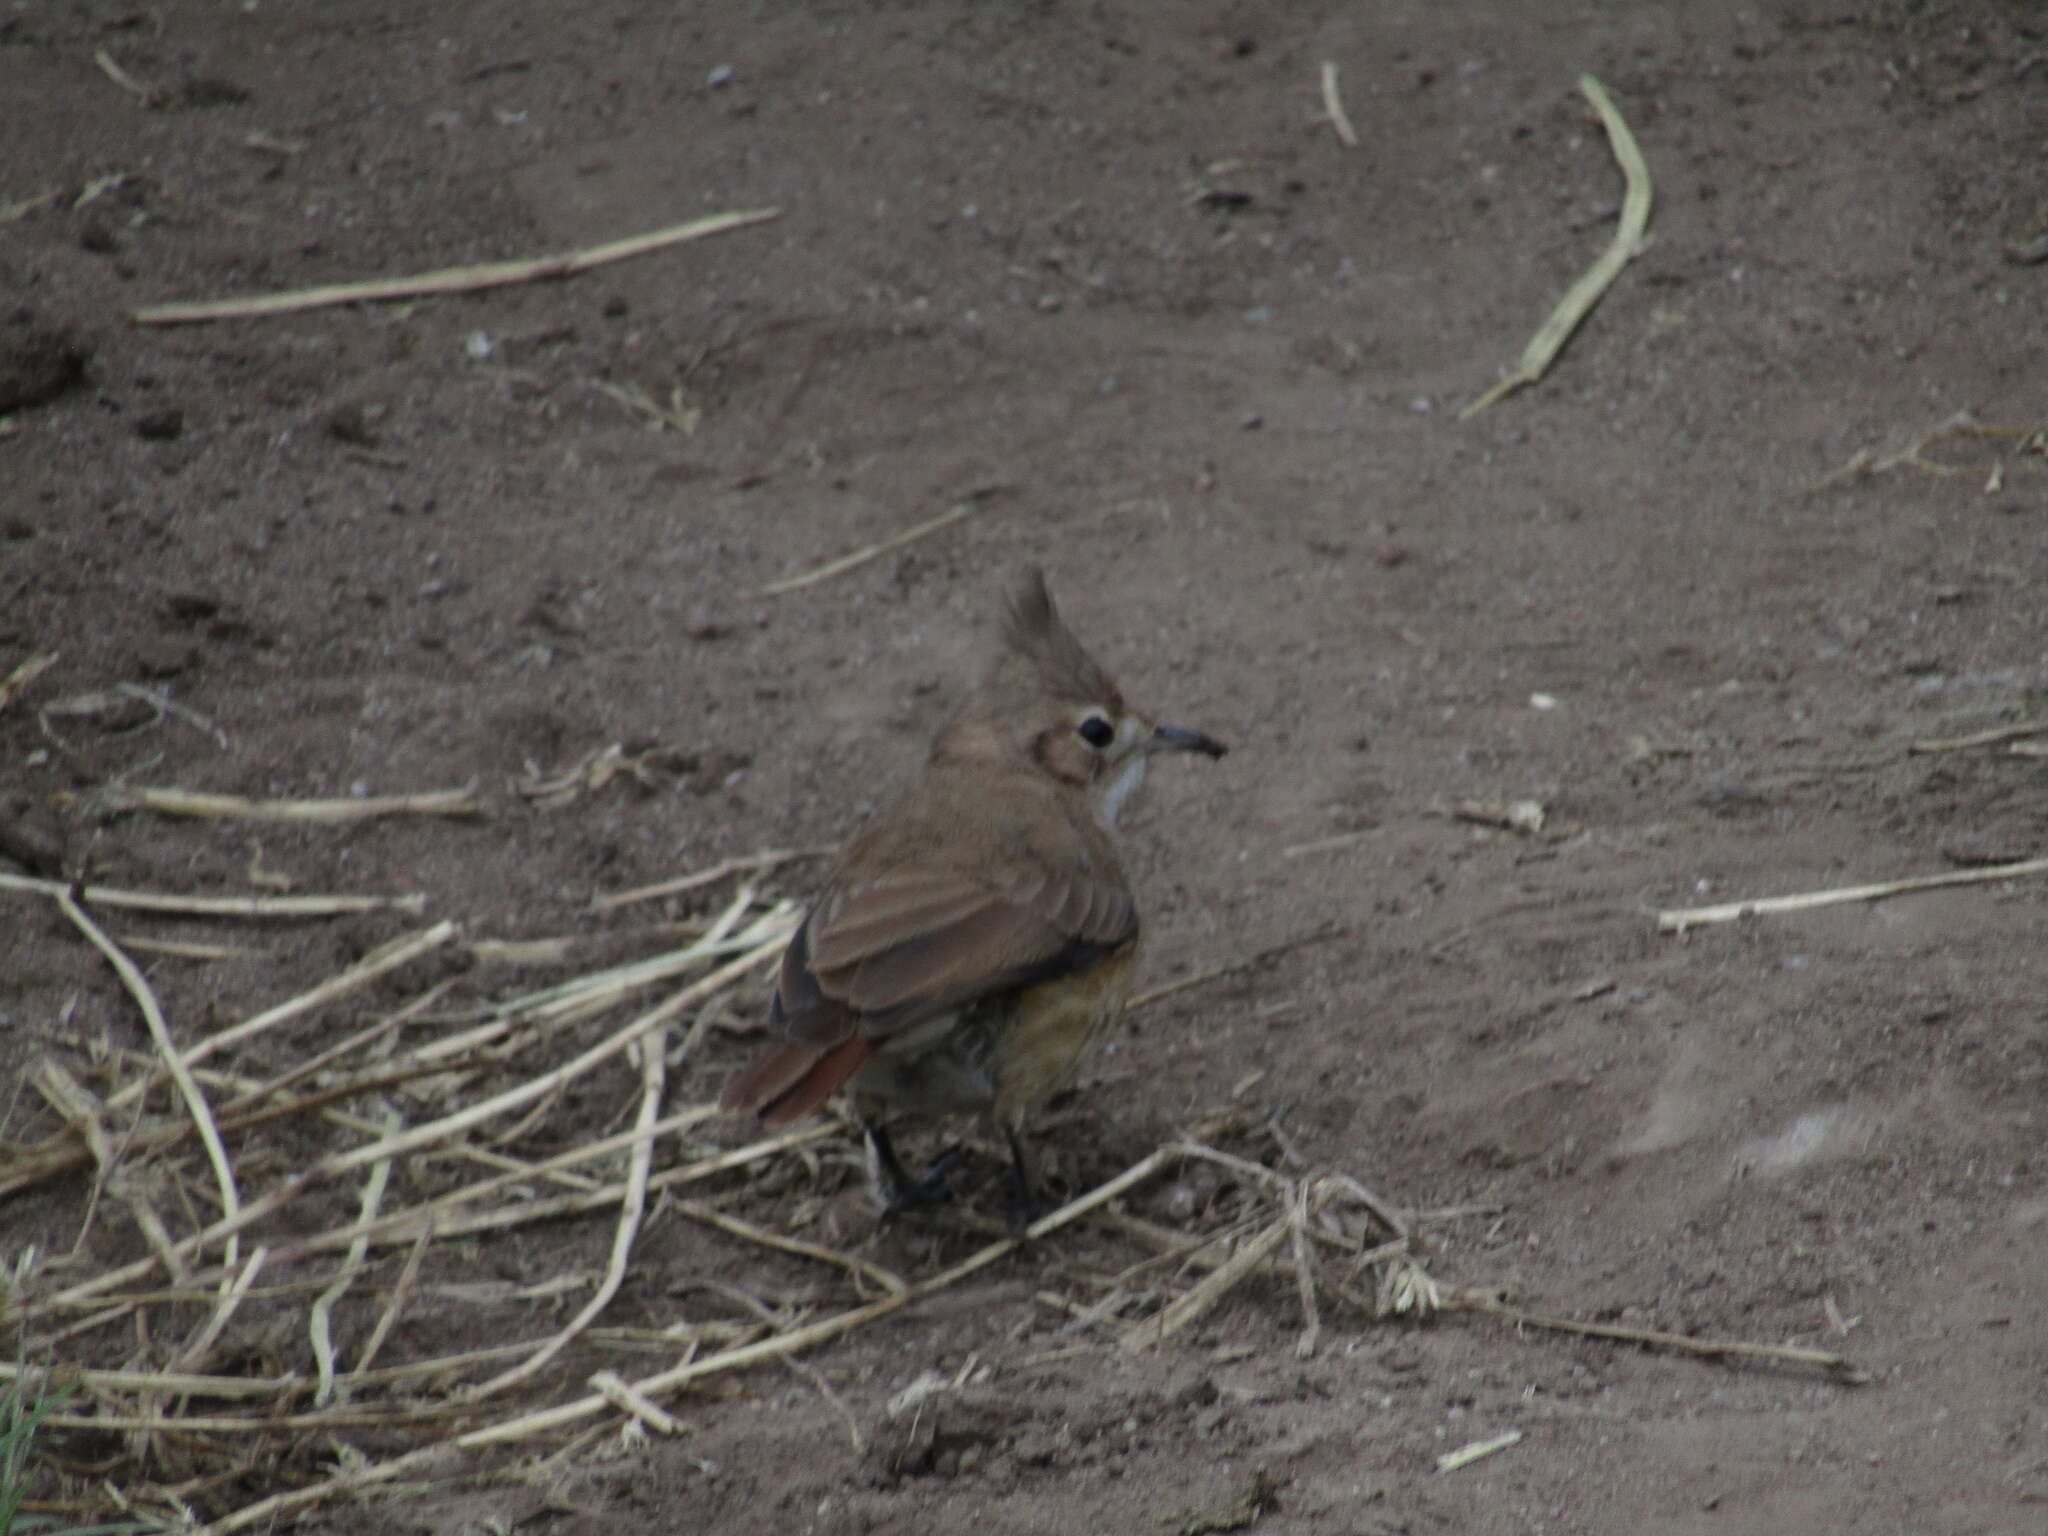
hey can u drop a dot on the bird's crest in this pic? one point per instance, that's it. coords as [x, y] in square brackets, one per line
[1034, 633]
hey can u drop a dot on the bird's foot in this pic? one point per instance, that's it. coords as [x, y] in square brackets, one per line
[1024, 1204]
[896, 1190]
[1022, 1208]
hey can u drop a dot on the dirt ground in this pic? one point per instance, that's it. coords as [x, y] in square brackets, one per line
[1106, 271]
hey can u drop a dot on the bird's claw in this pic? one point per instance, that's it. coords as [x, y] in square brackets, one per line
[900, 1192]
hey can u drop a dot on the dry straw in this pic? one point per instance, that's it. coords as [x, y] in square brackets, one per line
[863, 555]
[1679, 919]
[492, 274]
[336, 812]
[1578, 302]
[1333, 107]
[257, 908]
[461, 1135]
[16, 682]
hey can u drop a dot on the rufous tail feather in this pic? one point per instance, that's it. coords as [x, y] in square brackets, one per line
[795, 1080]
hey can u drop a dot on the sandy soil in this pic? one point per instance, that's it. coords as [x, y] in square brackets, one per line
[1107, 268]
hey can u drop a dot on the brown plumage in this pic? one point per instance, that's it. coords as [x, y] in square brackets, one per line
[981, 934]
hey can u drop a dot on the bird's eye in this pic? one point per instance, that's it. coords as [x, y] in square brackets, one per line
[1097, 732]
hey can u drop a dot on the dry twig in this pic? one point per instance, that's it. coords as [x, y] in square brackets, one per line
[1961, 427]
[1730, 1349]
[21, 208]
[148, 95]
[1989, 738]
[1678, 920]
[401, 1290]
[621, 1395]
[1304, 1273]
[186, 949]
[587, 775]
[1465, 1455]
[862, 556]
[319, 1321]
[174, 1064]
[216, 906]
[887, 1281]
[1585, 293]
[491, 274]
[672, 416]
[653, 1063]
[762, 862]
[336, 812]
[1212, 1288]
[195, 1354]
[379, 962]
[16, 682]
[1333, 107]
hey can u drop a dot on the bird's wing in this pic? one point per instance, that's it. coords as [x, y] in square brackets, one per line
[915, 942]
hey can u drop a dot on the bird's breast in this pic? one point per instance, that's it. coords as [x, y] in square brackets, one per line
[1051, 1028]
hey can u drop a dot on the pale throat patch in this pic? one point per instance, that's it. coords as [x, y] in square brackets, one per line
[1110, 798]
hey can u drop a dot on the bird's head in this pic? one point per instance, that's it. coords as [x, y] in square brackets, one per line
[1048, 701]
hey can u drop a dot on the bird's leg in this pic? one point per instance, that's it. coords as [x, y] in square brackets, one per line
[895, 1190]
[1025, 1206]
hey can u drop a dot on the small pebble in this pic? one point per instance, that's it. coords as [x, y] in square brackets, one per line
[352, 424]
[161, 426]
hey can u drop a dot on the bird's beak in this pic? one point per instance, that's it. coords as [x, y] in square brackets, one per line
[1175, 738]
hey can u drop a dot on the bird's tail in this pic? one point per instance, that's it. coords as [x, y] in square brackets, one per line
[794, 1080]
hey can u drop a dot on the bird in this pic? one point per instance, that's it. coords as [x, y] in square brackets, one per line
[981, 934]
